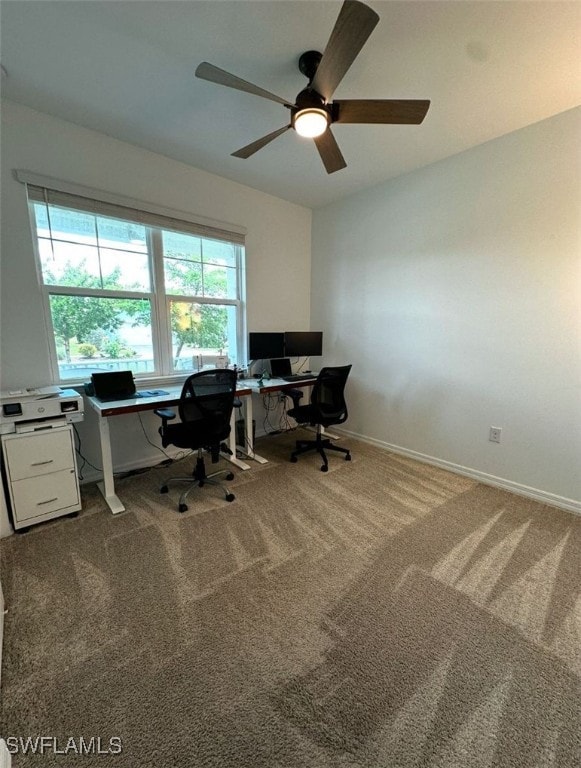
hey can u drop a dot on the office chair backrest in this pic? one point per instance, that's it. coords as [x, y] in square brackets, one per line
[328, 393]
[208, 397]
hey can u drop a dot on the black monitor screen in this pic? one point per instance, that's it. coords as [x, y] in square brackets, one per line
[303, 343]
[113, 384]
[280, 367]
[262, 346]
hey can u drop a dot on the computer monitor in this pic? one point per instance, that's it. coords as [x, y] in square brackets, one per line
[303, 343]
[263, 346]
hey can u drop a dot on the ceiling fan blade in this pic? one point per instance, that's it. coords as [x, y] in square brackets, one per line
[250, 149]
[354, 24]
[410, 112]
[330, 153]
[214, 74]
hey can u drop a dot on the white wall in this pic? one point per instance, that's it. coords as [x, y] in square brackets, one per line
[277, 246]
[455, 291]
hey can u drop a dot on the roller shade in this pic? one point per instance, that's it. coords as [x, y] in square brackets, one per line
[103, 204]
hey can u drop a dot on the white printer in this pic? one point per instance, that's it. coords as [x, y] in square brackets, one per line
[24, 410]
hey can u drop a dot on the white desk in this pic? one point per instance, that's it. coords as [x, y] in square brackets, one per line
[134, 405]
[245, 389]
[268, 386]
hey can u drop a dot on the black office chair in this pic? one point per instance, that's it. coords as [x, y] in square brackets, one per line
[327, 407]
[205, 409]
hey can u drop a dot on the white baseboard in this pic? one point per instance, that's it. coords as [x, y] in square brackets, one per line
[91, 475]
[499, 482]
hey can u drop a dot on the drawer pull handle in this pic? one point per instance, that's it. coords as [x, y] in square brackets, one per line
[48, 501]
[40, 463]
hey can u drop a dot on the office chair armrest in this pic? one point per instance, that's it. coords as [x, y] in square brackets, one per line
[165, 413]
[295, 395]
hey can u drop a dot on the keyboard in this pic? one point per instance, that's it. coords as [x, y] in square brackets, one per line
[299, 377]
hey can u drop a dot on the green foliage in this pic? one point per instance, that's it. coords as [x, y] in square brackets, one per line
[115, 349]
[98, 337]
[88, 350]
[197, 325]
[79, 316]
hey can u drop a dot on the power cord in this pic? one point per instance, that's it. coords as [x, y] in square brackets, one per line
[285, 424]
[122, 475]
[149, 441]
[84, 458]
[302, 365]
[269, 402]
[246, 443]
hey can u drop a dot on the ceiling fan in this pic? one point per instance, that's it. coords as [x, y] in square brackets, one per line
[313, 112]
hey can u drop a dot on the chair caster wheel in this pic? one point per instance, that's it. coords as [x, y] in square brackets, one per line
[164, 489]
[348, 457]
[324, 468]
[230, 497]
[293, 459]
[183, 508]
[230, 476]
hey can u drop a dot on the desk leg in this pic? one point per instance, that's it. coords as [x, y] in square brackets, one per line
[107, 485]
[249, 436]
[232, 458]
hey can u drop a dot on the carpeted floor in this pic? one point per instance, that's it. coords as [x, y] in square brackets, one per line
[387, 614]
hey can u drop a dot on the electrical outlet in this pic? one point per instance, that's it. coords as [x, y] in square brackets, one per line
[494, 434]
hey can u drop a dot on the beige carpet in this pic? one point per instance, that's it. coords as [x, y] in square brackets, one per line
[384, 614]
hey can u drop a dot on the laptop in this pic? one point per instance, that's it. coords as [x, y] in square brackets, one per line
[281, 369]
[114, 385]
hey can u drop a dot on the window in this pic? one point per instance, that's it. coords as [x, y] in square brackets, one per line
[127, 289]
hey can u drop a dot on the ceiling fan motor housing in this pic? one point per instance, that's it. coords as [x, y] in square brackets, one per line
[308, 63]
[309, 99]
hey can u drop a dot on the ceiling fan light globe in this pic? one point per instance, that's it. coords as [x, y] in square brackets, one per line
[311, 122]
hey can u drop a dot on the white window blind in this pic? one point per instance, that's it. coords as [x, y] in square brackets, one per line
[132, 214]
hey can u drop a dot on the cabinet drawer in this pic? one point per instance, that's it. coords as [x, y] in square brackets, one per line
[38, 496]
[39, 454]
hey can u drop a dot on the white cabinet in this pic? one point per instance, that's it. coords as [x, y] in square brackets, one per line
[40, 473]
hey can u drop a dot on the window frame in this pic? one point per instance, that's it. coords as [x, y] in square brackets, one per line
[159, 299]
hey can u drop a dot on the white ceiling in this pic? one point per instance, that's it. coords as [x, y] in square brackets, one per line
[127, 69]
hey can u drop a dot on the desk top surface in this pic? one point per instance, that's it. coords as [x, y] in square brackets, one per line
[275, 385]
[244, 388]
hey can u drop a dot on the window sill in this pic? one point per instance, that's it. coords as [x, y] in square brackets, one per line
[143, 382]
